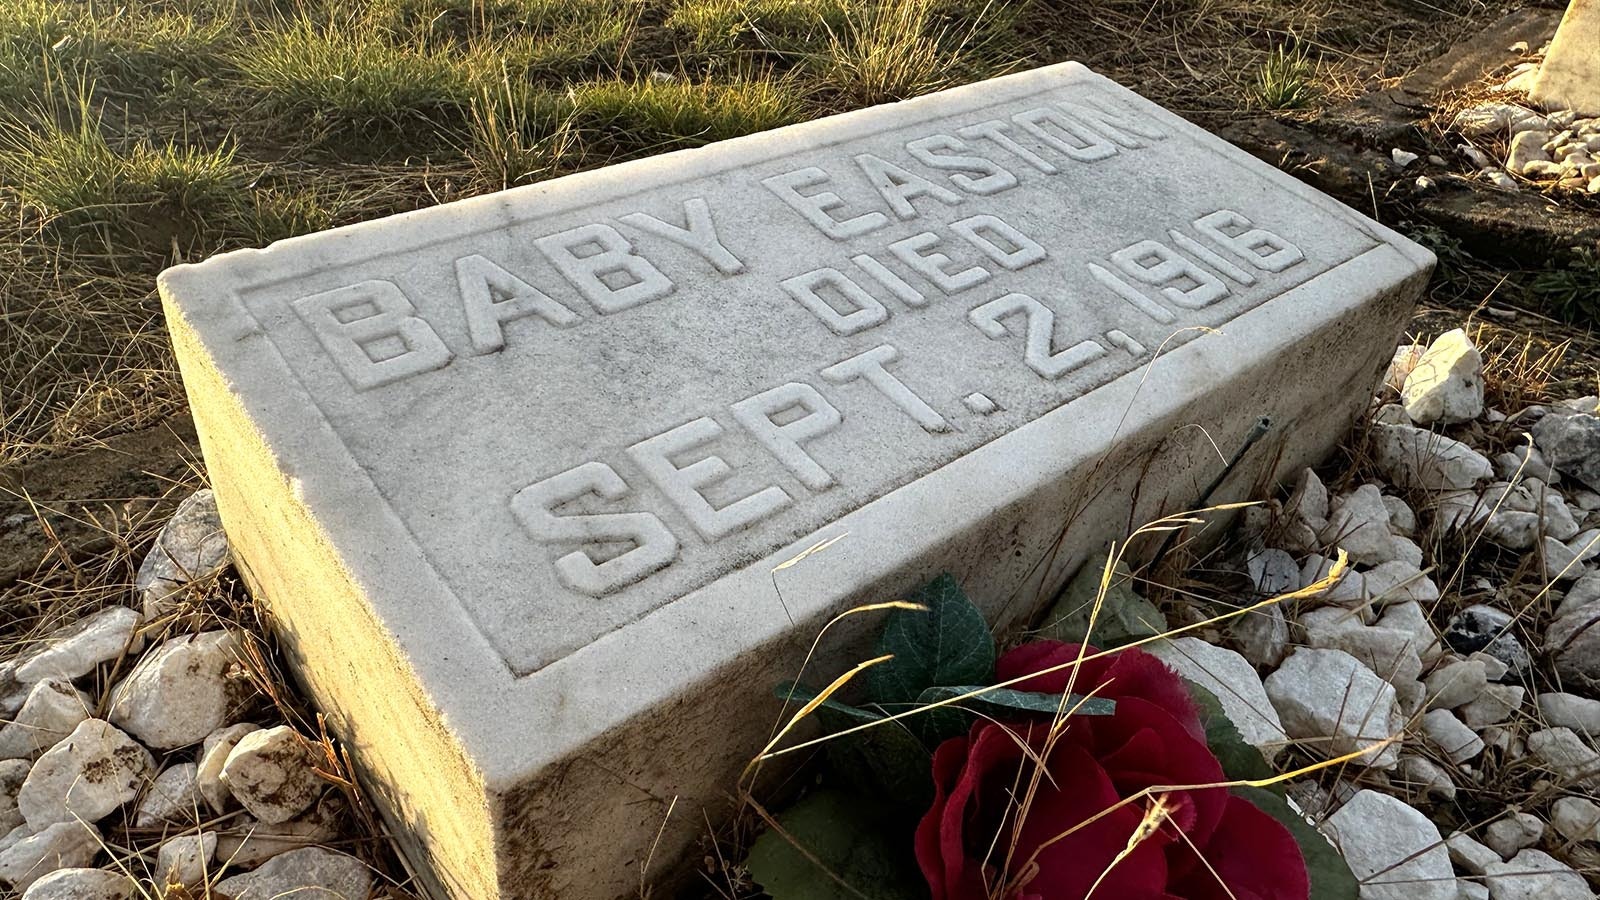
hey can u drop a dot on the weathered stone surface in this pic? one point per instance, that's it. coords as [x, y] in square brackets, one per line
[766, 353]
[1509, 834]
[213, 756]
[1574, 642]
[1569, 77]
[1456, 684]
[247, 843]
[1576, 818]
[1332, 704]
[83, 884]
[1451, 736]
[94, 770]
[1581, 714]
[1494, 706]
[270, 773]
[12, 773]
[63, 845]
[1572, 444]
[1393, 850]
[173, 797]
[1470, 854]
[1446, 386]
[75, 650]
[1236, 685]
[1567, 755]
[313, 872]
[181, 691]
[1262, 636]
[1422, 777]
[1415, 458]
[191, 547]
[1536, 875]
[186, 859]
[53, 708]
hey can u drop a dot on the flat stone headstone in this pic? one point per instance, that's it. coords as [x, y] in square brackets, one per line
[1569, 77]
[519, 476]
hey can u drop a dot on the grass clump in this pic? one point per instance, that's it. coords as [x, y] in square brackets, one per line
[891, 51]
[73, 175]
[1571, 292]
[519, 133]
[782, 25]
[340, 75]
[1286, 79]
[657, 113]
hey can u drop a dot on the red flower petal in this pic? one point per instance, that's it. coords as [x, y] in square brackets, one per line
[1270, 869]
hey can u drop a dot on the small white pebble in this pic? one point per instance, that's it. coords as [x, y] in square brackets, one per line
[1403, 158]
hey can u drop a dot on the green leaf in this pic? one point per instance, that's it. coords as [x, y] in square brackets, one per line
[1125, 616]
[888, 762]
[798, 695]
[1240, 761]
[1331, 878]
[847, 835]
[949, 643]
[1027, 701]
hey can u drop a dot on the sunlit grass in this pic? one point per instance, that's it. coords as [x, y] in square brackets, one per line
[658, 113]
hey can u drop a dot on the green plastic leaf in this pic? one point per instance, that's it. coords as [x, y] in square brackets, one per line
[848, 836]
[1125, 616]
[798, 695]
[1331, 878]
[1240, 761]
[1027, 701]
[888, 762]
[949, 643]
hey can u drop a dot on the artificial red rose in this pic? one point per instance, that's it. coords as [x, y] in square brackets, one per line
[1205, 845]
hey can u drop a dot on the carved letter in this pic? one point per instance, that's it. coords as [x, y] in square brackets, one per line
[373, 333]
[654, 547]
[1091, 148]
[868, 367]
[976, 230]
[490, 296]
[1153, 263]
[994, 180]
[933, 265]
[755, 414]
[1120, 125]
[995, 130]
[807, 289]
[612, 256]
[700, 236]
[899, 186]
[814, 207]
[682, 484]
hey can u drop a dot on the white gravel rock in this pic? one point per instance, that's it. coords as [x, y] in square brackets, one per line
[53, 708]
[1576, 819]
[1422, 777]
[1305, 514]
[1574, 642]
[1446, 386]
[1494, 118]
[1398, 582]
[13, 836]
[1584, 591]
[1392, 653]
[1273, 572]
[1236, 685]
[1403, 158]
[94, 770]
[1392, 849]
[186, 859]
[1468, 889]
[1359, 523]
[1454, 739]
[271, 774]
[1572, 444]
[1500, 179]
[1513, 529]
[83, 884]
[1563, 561]
[64, 845]
[1571, 711]
[1456, 683]
[1409, 618]
[1262, 636]
[312, 871]
[1527, 147]
[1567, 755]
[174, 797]
[12, 773]
[1509, 834]
[1468, 853]
[1336, 705]
[1406, 357]
[1414, 458]
[1402, 519]
[191, 547]
[181, 691]
[213, 756]
[1494, 706]
[1536, 875]
[74, 651]
[1525, 462]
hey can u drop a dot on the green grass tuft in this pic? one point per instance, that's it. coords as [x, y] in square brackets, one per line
[782, 25]
[658, 113]
[1286, 80]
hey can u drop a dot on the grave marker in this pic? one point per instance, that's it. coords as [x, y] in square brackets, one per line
[517, 475]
